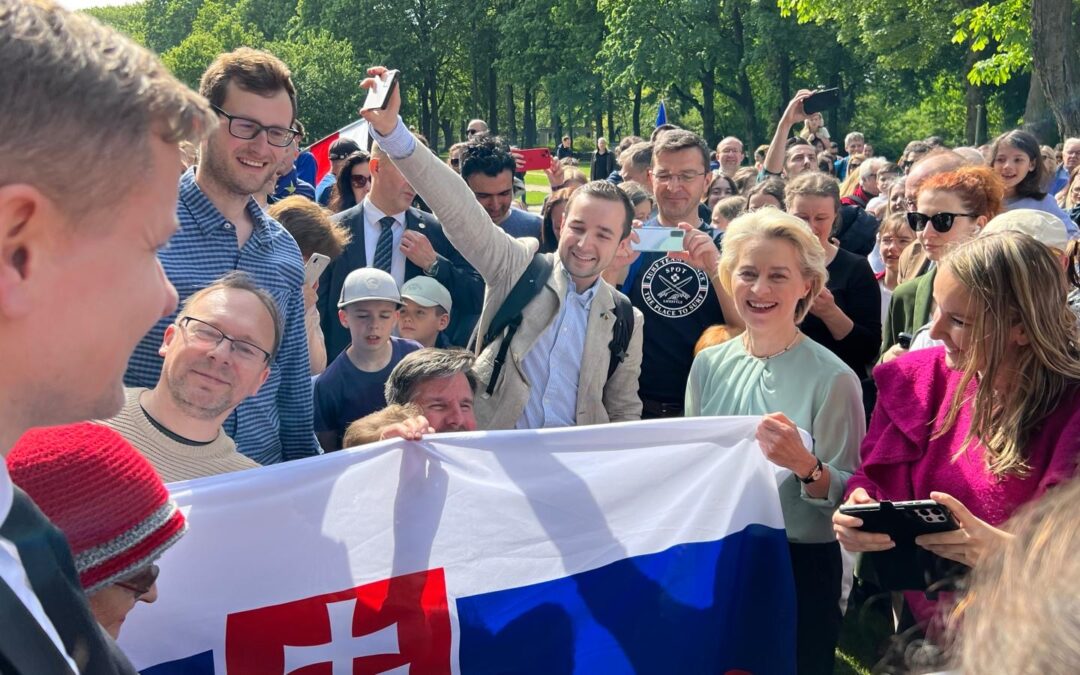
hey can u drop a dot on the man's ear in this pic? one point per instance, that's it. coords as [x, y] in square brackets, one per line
[27, 222]
[166, 342]
[259, 383]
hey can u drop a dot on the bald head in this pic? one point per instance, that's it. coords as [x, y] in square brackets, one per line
[938, 161]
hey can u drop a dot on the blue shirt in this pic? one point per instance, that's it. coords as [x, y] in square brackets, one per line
[323, 187]
[522, 224]
[553, 365]
[344, 393]
[276, 423]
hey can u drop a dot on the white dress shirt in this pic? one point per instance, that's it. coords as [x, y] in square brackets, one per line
[372, 228]
[14, 575]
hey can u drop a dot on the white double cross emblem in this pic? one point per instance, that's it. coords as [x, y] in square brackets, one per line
[343, 646]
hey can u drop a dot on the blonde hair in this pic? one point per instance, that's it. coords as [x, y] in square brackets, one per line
[1013, 280]
[771, 223]
[1020, 614]
[369, 429]
[82, 101]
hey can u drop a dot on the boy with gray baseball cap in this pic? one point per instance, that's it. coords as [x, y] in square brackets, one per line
[425, 312]
[352, 386]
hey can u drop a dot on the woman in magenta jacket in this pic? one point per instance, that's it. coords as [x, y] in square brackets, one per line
[986, 423]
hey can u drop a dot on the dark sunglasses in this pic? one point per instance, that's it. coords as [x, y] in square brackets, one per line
[141, 582]
[942, 222]
[454, 161]
[359, 181]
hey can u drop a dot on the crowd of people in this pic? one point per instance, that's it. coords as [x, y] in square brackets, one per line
[231, 309]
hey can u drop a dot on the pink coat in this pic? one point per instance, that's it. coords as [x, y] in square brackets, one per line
[901, 462]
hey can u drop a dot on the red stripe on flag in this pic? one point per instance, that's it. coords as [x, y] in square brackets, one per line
[321, 151]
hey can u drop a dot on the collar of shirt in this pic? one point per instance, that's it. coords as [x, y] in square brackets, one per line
[209, 218]
[583, 299]
[372, 215]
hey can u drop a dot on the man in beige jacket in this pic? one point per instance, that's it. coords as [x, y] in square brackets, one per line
[556, 372]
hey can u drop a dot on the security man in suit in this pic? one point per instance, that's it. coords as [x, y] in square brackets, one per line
[388, 233]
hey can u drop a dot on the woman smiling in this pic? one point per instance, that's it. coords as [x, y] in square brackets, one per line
[774, 268]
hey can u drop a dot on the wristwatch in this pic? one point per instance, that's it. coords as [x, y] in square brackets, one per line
[814, 476]
[433, 270]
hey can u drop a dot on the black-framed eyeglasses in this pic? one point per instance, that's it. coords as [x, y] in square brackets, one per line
[684, 177]
[472, 132]
[455, 161]
[141, 582]
[359, 180]
[245, 129]
[942, 222]
[207, 335]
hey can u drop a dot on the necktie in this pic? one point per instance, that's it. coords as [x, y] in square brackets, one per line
[384, 248]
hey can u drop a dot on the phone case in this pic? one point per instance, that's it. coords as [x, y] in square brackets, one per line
[821, 100]
[907, 566]
[536, 158]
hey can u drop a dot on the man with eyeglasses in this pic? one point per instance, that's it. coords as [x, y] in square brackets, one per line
[339, 150]
[677, 292]
[217, 353]
[222, 229]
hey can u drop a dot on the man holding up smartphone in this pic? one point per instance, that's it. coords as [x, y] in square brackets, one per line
[677, 292]
[560, 351]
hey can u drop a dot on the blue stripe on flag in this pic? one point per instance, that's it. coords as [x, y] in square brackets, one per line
[694, 608]
[198, 664]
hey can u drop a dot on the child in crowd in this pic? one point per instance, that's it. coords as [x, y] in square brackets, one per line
[425, 312]
[727, 210]
[352, 385]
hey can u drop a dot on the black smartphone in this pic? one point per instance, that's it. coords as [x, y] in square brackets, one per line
[379, 96]
[904, 340]
[908, 566]
[822, 99]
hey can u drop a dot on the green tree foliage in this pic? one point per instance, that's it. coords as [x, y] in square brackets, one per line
[906, 68]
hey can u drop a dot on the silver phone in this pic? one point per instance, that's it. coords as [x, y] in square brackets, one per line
[314, 267]
[658, 239]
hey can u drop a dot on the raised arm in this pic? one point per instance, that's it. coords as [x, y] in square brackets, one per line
[498, 257]
[793, 114]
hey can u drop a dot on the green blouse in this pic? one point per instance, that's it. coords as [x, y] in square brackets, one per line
[810, 385]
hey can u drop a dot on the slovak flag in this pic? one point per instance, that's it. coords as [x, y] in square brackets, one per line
[320, 149]
[640, 547]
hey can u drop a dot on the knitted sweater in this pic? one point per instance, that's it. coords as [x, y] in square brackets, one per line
[175, 461]
[901, 462]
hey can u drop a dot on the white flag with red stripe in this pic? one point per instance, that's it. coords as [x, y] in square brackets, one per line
[357, 131]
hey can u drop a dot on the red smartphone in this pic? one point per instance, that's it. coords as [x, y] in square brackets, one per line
[536, 158]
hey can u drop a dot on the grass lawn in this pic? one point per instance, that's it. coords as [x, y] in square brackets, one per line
[536, 178]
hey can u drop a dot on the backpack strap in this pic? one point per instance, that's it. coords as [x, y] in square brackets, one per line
[621, 332]
[508, 317]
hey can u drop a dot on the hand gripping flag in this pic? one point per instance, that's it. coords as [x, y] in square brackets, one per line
[643, 547]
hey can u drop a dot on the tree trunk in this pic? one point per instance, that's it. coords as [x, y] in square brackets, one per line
[636, 120]
[432, 128]
[492, 102]
[425, 104]
[746, 93]
[511, 114]
[1055, 61]
[448, 133]
[612, 140]
[530, 117]
[598, 110]
[975, 103]
[1037, 117]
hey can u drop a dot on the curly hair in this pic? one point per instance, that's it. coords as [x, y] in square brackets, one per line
[978, 187]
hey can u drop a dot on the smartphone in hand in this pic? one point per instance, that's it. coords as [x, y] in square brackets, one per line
[378, 97]
[822, 99]
[314, 267]
[665, 239]
[535, 158]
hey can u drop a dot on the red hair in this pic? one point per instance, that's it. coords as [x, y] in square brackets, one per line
[980, 188]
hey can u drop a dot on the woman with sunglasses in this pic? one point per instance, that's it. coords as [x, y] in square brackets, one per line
[353, 182]
[950, 210]
[110, 504]
[1017, 158]
[987, 422]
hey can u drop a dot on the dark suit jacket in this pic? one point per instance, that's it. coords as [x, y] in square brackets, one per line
[464, 283]
[24, 646]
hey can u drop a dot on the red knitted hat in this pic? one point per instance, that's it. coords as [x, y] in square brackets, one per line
[105, 497]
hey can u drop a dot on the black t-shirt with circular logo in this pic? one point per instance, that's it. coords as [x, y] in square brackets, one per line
[678, 303]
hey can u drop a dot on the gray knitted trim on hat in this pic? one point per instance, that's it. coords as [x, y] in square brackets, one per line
[138, 564]
[92, 557]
